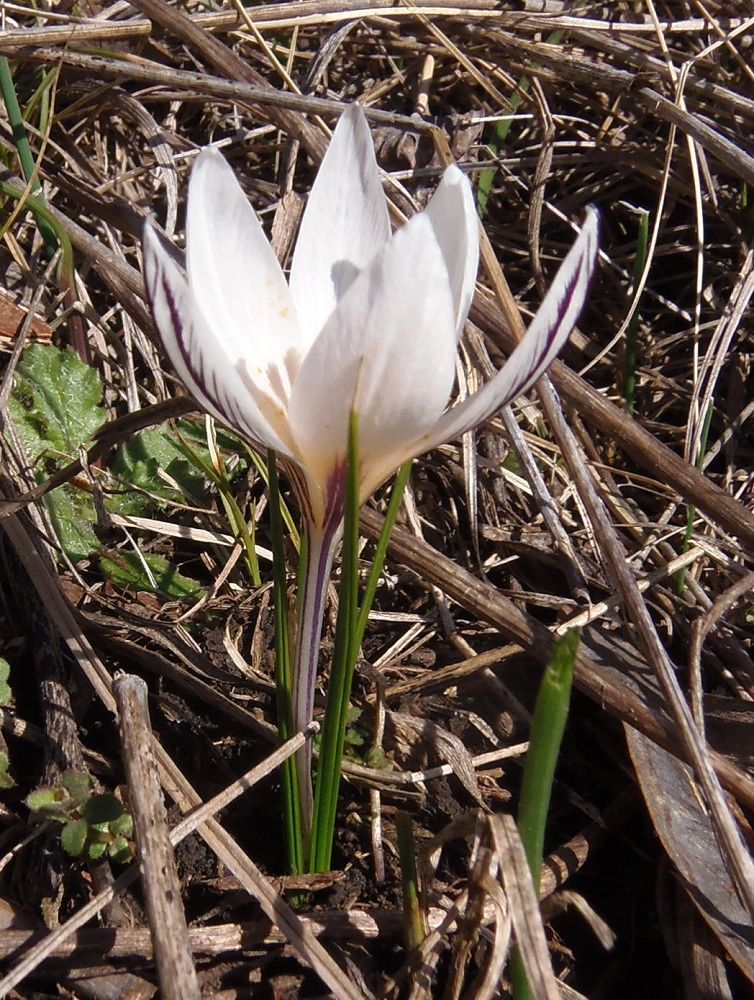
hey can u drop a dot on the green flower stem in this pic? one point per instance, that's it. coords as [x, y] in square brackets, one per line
[547, 728]
[283, 675]
[341, 676]
[350, 628]
[320, 544]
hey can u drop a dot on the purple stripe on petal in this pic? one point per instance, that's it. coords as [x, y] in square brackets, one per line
[548, 332]
[205, 376]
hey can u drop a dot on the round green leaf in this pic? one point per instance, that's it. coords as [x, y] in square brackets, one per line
[96, 851]
[120, 850]
[73, 837]
[78, 784]
[123, 826]
[101, 810]
[48, 801]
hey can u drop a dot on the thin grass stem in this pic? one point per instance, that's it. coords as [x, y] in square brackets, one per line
[500, 134]
[290, 526]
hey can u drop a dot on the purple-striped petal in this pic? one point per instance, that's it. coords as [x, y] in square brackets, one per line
[549, 330]
[218, 381]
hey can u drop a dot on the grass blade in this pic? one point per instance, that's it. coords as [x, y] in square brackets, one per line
[25, 157]
[547, 727]
[396, 495]
[414, 929]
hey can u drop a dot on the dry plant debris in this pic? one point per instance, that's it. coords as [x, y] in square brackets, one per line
[636, 526]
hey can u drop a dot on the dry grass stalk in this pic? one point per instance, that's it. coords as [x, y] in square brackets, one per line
[159, 876]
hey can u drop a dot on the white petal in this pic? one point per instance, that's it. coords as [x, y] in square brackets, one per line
[549, 330]
[344, 225]
[452, 213]
[389, 350]
[199, 356]
[235, 276]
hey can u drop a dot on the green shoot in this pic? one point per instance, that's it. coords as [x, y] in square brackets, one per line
[495, 144]
[41, 99]
[547, 728]
[41, 211]
[396, 495]
[414, 930]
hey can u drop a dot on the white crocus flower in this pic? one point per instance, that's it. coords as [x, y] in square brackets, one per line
[368, 323]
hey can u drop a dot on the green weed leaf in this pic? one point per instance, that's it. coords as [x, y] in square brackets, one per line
[48, 802]
[72, 513]
[101, 809]
[6, 780]
[97, 850]
[56, 407]
[6, 695]
[123, 826]
[78, 784]
[120, 850]
[127, 570]
[56, 402]
[140, 460]
[73, 837]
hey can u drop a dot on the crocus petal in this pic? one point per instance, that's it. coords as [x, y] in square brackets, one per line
[344, 225]
[453, 216]
[549, 330]
[199, 356]
[388, 351]
[235, 276]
